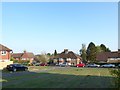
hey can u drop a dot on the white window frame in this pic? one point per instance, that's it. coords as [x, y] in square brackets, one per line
[23, 58]
[60, 59]
[3, 52]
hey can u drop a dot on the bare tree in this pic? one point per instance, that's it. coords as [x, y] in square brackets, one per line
[83, 52]
[43, 57]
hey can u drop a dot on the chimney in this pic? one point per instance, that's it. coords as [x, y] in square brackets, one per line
[24, 51]
[65, 51]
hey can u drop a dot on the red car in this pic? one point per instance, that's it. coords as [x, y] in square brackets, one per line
[80, 65]
[43, 64]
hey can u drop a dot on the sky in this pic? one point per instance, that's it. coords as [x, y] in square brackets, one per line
[46, 26]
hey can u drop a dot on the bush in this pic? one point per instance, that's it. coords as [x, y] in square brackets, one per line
[116, 73]
[24, 62]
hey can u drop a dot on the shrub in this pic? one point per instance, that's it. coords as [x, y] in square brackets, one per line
[116, 73]
[24, 62]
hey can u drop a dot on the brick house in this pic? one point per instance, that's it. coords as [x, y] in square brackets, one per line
[68, 57]
[23, 56]
[5, 53]
[110, 57]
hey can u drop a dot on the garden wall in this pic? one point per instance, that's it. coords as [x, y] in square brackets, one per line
[4, 64]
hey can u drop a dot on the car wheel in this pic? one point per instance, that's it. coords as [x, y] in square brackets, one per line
[14, 69]
[77, 66]
[26, 69]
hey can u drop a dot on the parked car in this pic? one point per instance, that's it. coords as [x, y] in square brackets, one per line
[16, 67]
[119, 65]
[108, 65]
[43, 64]
[36, 64]
[63, 65]
[57, 64]
[80, 65]
[92, 65]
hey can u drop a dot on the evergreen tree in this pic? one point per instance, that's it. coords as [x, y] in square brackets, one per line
[55, 53]
[103, 47]
[48, 54]
[91, 52]
[98, 49]
[108, 50]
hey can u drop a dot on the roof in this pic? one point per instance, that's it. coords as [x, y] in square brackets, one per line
[103, 56]
[23, 55]
[114, 55]
[29, 55]
[17, 55]
[69, 54]
[4, 48]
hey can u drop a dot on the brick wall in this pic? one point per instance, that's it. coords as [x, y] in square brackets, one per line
[5, 57]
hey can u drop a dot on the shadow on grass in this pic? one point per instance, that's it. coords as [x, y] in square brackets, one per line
[50, 80]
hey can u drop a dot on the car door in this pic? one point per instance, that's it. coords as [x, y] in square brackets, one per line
[19, 67]
[22, 67]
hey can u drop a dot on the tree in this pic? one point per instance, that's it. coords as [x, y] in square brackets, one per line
[103, 47]
[98, 49]
[91, 52]
[43, 58]
[116, 74]
[12, 59]
[55, 53]
[83, 52]
[48, 54]
[108, 50]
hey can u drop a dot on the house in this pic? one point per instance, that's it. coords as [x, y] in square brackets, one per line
[23, 56]
[5, 53]
[68, 57]
[110, 57]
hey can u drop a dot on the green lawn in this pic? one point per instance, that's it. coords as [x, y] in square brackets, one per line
[56, 77]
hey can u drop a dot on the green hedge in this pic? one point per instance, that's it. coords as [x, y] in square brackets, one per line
[24, 62]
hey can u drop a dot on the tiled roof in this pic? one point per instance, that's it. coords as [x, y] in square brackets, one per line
[29, 55]
[69, 54]
[23, 55]
[17, 55]
[103, 56]
[113, 55]
[4, 48]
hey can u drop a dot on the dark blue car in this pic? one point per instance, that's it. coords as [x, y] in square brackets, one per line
[16, 67]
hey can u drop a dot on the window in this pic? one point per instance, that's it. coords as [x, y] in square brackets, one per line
[23, 58]
[68, 59]
[3, 52]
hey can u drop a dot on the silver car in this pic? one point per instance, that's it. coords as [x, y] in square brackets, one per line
[119, 65]
[108, 65]
[92, 65]
[63, 65]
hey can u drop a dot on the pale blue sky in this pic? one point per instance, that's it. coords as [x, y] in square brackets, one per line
[37, 27]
